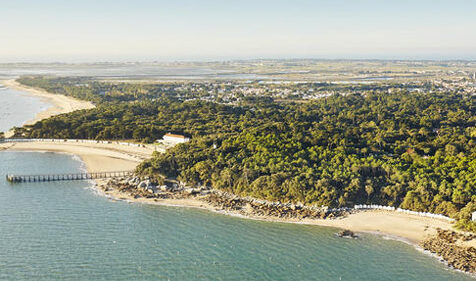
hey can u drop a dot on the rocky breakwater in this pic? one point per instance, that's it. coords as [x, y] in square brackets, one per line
[450, 246]
[136, 188]
[261, 208]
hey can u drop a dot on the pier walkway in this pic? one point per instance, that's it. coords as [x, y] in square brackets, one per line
[67, 177]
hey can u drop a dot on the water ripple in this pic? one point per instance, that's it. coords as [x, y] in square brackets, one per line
[64, 231]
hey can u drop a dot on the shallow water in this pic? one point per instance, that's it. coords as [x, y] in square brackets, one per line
[65, 231]
[17, 107]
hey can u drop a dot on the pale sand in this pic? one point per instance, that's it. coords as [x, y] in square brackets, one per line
[111, 157]
[60, 103]
[97, 157]
[409, 228]
[114, 157]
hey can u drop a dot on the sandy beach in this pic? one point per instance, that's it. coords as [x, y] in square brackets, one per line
[60, 103]
[98, 157]
[408, 228]
[421, 232]
[110, 157]
[115, 157]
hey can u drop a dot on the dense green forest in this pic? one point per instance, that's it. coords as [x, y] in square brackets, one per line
[410, 150]
[98, 92]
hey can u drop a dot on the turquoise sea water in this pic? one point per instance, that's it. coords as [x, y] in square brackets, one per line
[17, 107]
[65, 231]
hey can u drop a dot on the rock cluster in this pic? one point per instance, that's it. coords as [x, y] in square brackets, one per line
[222, 201]
[255, 207]
[444, 244]
[138, 188]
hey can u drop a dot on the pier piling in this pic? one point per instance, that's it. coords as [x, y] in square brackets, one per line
[67, 177]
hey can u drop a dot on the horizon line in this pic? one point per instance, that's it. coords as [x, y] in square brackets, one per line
[158, 61]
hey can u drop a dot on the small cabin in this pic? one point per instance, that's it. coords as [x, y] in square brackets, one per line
[474, 216]
[173, 138]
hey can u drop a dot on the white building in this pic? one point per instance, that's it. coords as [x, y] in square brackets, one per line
[474, 216]
[172, 138]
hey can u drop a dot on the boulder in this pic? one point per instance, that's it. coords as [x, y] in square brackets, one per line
[191, 191]
[133, 181]
[143, 184]
[346, 234]
[151, 188]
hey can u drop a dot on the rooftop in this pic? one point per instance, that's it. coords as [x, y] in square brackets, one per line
[174, 136]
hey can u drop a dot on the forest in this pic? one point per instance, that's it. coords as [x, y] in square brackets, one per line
[405, 149]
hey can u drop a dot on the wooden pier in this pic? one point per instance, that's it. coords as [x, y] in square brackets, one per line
[68, 177]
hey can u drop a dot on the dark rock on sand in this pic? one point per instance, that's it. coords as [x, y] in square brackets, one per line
[347, 234]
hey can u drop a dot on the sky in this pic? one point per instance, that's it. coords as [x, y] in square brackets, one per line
[144, 30]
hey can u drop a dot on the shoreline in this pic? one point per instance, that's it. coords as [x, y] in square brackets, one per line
[59, 104]
[196, 204]
[97, 157]
[431, 236]
[406, 228]
[374, 222]
[114, 195]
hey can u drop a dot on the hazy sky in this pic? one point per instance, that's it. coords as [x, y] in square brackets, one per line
[75, 30]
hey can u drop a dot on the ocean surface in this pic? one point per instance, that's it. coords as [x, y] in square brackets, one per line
[17, 107]
[66, 231]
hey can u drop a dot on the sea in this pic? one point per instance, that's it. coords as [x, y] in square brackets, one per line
[17, 107]
[68, 231]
